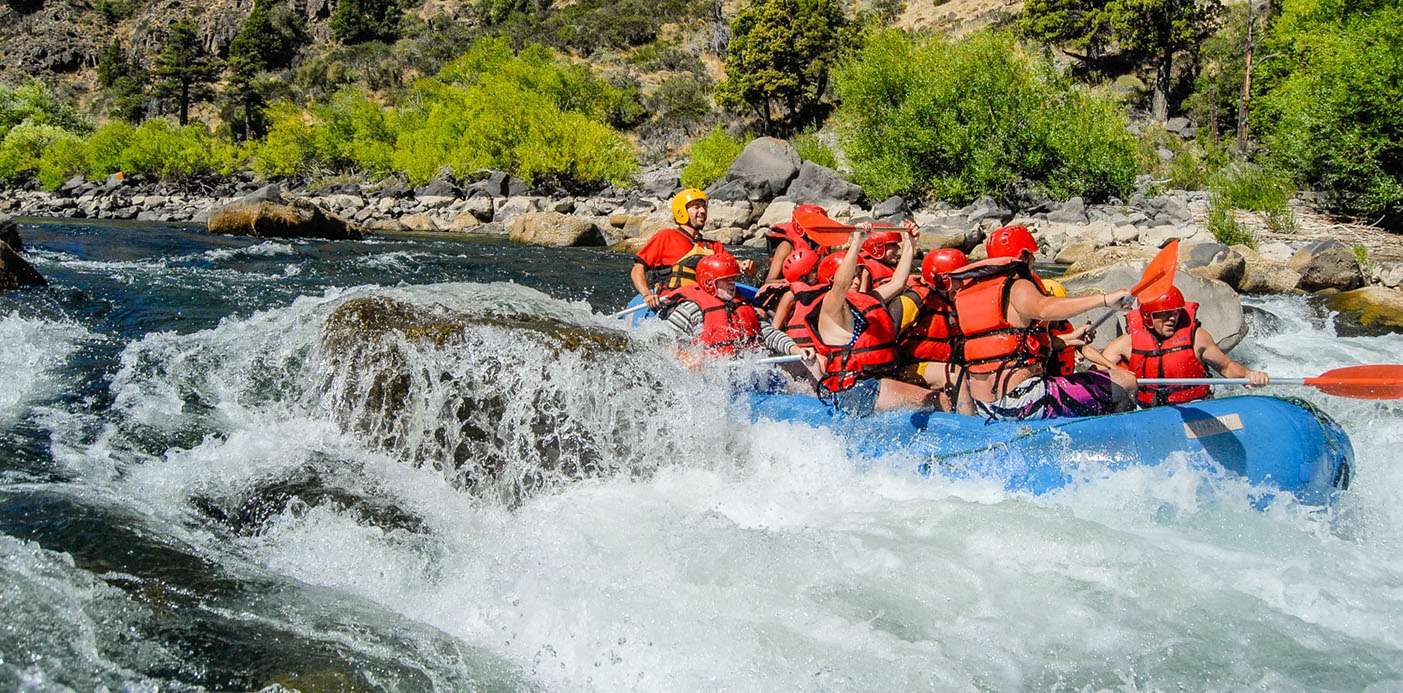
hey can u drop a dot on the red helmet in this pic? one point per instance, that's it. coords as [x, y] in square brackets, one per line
[942, 261]
[799, 264]
[875, 242]
[1173, 299]
[714, 267]
[1011, 241]
[829, 267]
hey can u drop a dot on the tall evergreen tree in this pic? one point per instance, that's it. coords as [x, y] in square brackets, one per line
[122, 81]
[184, 71]
[358, 21]
[778, 60]
[268, 39]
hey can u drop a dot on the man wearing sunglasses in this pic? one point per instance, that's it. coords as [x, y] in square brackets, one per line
[1166, 340]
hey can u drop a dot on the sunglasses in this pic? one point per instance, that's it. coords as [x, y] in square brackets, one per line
[1164, 314]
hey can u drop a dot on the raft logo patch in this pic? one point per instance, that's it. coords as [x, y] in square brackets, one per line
[1212, 426]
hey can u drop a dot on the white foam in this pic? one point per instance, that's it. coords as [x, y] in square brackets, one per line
[31, 359]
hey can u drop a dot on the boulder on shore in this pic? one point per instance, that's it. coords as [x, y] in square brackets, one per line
[556, 229]
[1327, 264]
[761, 173]
[1220, 309]
[1375, 305]
[265, 215]
[822, 185]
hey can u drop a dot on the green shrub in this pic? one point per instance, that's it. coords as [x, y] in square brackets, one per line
[22, 147]
[811, 148]
[682, 102]
[1224, 226]
[289, 148]
[712, 155]
[959, 119]
[34, 103]
[1361, 256]
[661, 55]
[63, 157]
[1249, 186]
[105, 147]
[160, 149]
[1328, 110]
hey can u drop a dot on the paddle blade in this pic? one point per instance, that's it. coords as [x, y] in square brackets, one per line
[1380, 381]
[1159, 274]
[821, 229]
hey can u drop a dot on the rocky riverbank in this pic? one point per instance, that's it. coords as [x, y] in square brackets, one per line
[761, 189]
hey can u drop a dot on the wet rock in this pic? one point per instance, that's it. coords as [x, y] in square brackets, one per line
[1220, 309]
[822, 185]
[1373, 305]
[556, 229]
[16, 272]
[1072, 211]
[297, 218]
[761, 173]
[1214, 261]
[462, 222]
[1327, 264]
[9, 233]
[425, 385]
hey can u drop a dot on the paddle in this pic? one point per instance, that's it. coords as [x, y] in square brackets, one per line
[1155, 281]
[745, 291]
[823, 230]
[1379, 381]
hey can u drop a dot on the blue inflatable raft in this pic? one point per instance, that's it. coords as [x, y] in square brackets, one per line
[1278, 444]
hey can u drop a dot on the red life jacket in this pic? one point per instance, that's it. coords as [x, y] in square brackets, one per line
[807, 297]
[1064, 360]
[932, 336]
[788, 231]
[991, 343]
[1174, 357]
[725, 324]
[684, 271]
[871, 355]
[877, 270]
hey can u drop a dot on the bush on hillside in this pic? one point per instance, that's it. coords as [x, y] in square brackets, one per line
[34, 103]
[712, 156]
[1328, 112]
[959, 119]
[811, 148]
[22, 147]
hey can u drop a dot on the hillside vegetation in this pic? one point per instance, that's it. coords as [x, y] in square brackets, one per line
[1060, 98]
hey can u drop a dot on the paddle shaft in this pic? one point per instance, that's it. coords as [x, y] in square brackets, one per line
[629, 311]
[792, 358]
[1217, 381]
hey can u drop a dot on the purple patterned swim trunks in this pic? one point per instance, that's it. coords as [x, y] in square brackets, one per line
[1088, 393]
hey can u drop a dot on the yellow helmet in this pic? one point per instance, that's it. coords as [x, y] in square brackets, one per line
[1055, 288]
[681, 200]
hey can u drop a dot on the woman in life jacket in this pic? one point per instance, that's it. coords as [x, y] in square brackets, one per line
[1065, 336]
[929, 339]
[709, 316]
[786, 238]
[669, 259]
[805, 286]
[1002, 310]
[855, 331]
[880, 254]
[1164, 339]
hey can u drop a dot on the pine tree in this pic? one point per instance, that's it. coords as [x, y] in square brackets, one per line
[122, 81]
[184, 71]
[358, 21]
[268, 39]
[778, 60]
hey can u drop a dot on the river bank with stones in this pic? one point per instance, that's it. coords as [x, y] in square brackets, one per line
[761, 189]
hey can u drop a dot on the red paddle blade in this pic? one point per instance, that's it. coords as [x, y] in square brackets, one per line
[821, 229]
[1381, 381]
[1159, 274]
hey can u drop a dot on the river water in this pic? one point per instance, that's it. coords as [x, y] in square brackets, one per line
[183, 507]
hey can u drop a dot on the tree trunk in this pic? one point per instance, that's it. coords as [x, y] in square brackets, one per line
[184, 104]
[1159, 104]
[1242, 117]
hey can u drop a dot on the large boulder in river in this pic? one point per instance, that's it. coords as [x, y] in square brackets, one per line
[9, 233]
[16, 272]
[496, 401]
[1220, 309]
[1327, 264]
[1262, 275]
[1373, 305]
[761, 173]
[554, 228]
[266, 214]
